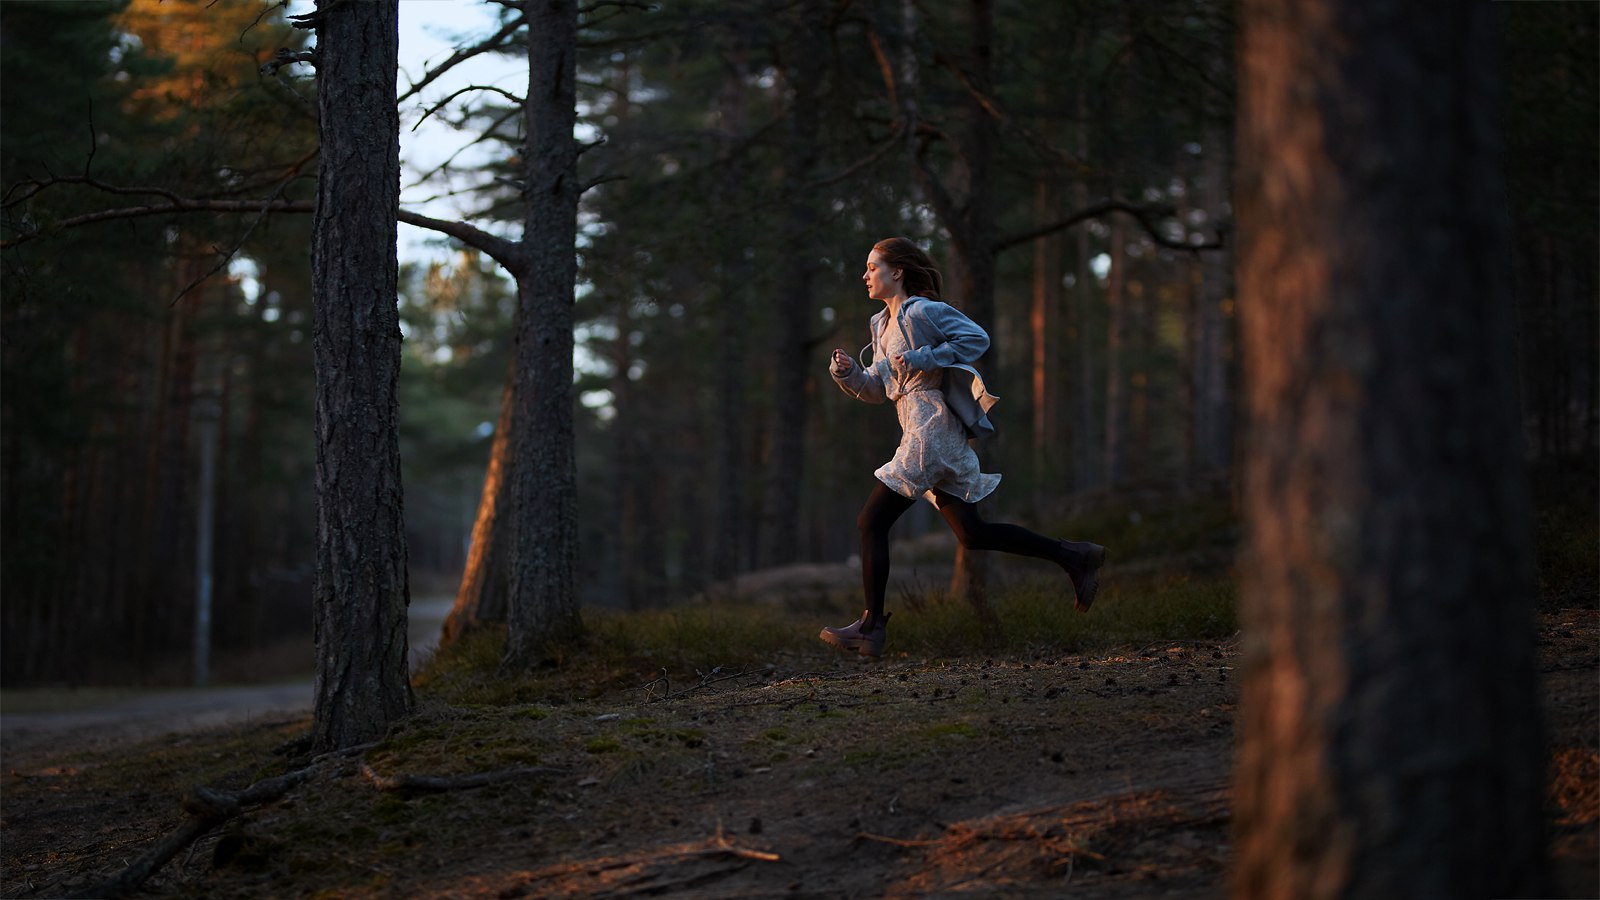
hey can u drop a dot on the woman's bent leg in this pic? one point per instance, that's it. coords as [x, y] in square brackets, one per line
[1081, 560]
[880, 512]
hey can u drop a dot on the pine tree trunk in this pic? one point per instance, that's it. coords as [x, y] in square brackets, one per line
[1116, 341]
[1390, 737]
[361, 591]
[1214, 389]
[1044, 319]
[544, 604]
[974, 242]
[1086, 439]
[728, 480]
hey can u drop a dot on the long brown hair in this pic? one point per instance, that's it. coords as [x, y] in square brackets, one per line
[922, 278]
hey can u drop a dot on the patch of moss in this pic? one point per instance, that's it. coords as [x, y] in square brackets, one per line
[938, 730]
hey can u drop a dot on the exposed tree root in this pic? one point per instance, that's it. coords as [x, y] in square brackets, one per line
[207, 809]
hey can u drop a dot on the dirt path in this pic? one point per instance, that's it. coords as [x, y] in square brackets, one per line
[1023, 776]
[97, 722]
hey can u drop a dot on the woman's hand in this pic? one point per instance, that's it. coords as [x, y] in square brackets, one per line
[842, 363]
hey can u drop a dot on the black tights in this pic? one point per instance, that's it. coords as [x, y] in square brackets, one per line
[885, 507]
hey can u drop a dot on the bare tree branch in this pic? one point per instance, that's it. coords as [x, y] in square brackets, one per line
[40, 187]
[1146, 216]
[487, 135]
[992, 108]
[618, 4]
[287, 57]
[226, 257]
[596, 182]
[314, 19]
[493, 42]
[507, 253]
[281, 4]
[888, 144]
[518, 101]
[94, 140]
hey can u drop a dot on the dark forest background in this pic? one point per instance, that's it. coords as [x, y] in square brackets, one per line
[1077, 189]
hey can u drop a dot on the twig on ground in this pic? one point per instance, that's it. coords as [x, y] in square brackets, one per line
[898, 842]
[706, 680]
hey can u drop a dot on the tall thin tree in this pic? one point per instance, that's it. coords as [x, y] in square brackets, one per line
[544, 608]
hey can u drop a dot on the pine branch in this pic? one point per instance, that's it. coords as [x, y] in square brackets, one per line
[888, 144]
[228, 256]
[1146, 216]
[507, 253]
[493, 42]
[515, 100]
[287, 57]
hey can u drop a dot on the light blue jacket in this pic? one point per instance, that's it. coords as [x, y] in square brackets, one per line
[941, 338]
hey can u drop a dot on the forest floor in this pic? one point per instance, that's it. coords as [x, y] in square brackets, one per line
[812, 775]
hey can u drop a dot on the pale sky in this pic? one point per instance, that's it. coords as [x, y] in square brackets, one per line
[431, 30]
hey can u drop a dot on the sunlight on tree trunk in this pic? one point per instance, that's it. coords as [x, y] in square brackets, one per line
[1390, 739]
[482, 595]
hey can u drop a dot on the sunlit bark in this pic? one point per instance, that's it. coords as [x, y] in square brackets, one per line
[1044, 321]
[482, 596]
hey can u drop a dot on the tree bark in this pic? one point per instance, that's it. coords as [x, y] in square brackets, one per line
[1390, 736]
[1214, 435]
[1044, 319]
[544, 605]
[1116, 346]
[734, 270]
[1087, 469]
[972, 232]
[362, 592]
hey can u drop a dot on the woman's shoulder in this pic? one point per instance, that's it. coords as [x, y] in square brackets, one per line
[927, 307]
[936, 310]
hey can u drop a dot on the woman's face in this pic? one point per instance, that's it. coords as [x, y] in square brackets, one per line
[883, 282]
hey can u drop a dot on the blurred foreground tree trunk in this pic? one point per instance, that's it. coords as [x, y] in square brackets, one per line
[361, 586]
[1390, 738]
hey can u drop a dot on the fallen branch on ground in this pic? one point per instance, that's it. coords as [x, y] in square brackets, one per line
[207, 809]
